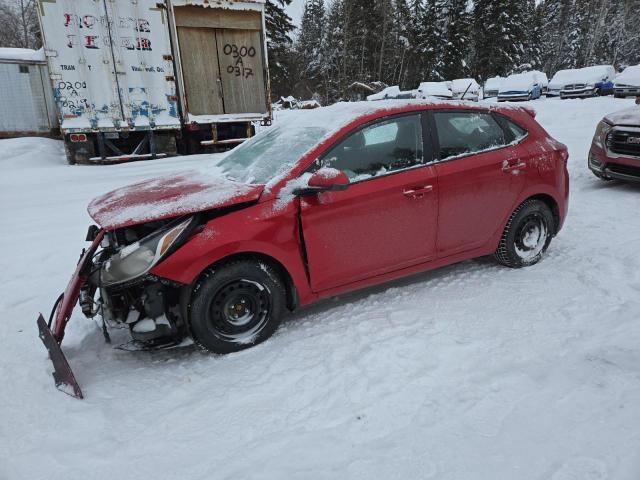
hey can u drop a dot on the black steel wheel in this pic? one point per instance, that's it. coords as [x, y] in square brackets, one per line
[236, 306]
[527, 235]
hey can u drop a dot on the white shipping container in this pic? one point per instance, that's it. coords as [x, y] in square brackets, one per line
[111, 64]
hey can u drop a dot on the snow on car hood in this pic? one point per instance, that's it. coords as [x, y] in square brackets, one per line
[434, 89]
[592, 74]
[630, 76]
[167, 197]
[628, 116]
[493, 83]
[460, 85]
[520, 82]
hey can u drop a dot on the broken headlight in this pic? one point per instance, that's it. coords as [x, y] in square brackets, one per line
[135, 260]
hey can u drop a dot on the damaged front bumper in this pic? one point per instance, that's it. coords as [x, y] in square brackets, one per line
[52, 334]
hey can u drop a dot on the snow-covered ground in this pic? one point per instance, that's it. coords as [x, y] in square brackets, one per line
[469, 372]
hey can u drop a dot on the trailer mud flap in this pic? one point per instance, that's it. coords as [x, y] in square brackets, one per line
[64, 378]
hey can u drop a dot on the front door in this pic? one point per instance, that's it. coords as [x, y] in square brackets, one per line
[480, 177]
[386, 219]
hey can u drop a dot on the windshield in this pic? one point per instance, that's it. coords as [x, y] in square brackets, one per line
[270, 153]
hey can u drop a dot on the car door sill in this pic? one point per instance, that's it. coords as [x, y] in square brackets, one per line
[404, 271]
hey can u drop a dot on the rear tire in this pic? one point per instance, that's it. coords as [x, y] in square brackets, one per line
[527, 235]
[236, 306]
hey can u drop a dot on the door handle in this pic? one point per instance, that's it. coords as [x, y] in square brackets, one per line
[417, 192]
[510, 167]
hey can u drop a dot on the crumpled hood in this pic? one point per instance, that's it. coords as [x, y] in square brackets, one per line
[167, 197]
[628, 116]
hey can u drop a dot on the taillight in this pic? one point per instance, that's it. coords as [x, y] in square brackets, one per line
[78, 137]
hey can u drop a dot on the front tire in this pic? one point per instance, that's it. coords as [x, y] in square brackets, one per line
[236, 306]
[527, 235]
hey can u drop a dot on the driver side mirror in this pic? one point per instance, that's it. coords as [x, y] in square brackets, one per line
[324, 180]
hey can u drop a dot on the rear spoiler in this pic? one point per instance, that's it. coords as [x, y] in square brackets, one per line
[530, 111]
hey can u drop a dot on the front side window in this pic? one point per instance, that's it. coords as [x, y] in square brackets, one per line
[463, 133]
[384, 147]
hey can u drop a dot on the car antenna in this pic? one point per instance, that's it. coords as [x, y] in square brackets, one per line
[465, 92]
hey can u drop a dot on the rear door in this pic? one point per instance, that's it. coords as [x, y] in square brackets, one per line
[386, 219]
[480, 177]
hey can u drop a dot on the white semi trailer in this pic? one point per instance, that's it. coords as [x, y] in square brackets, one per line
[139, 79]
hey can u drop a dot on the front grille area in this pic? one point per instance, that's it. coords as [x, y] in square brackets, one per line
[575, 86]
[624, 142]
[624, 169]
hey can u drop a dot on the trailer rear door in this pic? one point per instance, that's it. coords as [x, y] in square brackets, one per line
[222, 58]
[198, 52]
[76, 39]
[110, 63]
[241, 72]
[142, 53]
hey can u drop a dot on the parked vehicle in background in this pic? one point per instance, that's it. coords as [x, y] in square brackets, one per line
[543, 81]
[440, 90]
[392, 93]
[615, 149]
[27, 106]
[627, 83]
[559, 80]
[386, 94]
[589, 82]
[222, 258]
[465, 89]
[138, 80]
[492, 87]
[520, 86]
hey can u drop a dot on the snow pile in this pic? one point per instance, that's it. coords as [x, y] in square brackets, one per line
[472, 371]
[593, 74]
[435, 89]
[22, 54]
[493, 84]
[387, 93]
[628, 116]
[518, 82]
[598, 73]
[630, 76]
[461, 85]
[562, 78]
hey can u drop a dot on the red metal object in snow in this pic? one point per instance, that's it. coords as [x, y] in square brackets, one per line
[52, 337]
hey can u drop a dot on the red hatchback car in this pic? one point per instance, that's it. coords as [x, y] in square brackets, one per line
[324, 202]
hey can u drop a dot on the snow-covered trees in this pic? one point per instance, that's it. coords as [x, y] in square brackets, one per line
[279, 44]
[576, 33]
[454, 23]
[19, 23]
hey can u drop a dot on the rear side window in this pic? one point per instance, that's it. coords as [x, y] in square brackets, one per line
[381, 148]
[516, 131]
[463, 133]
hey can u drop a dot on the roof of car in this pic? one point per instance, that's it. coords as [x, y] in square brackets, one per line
[341, 114]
